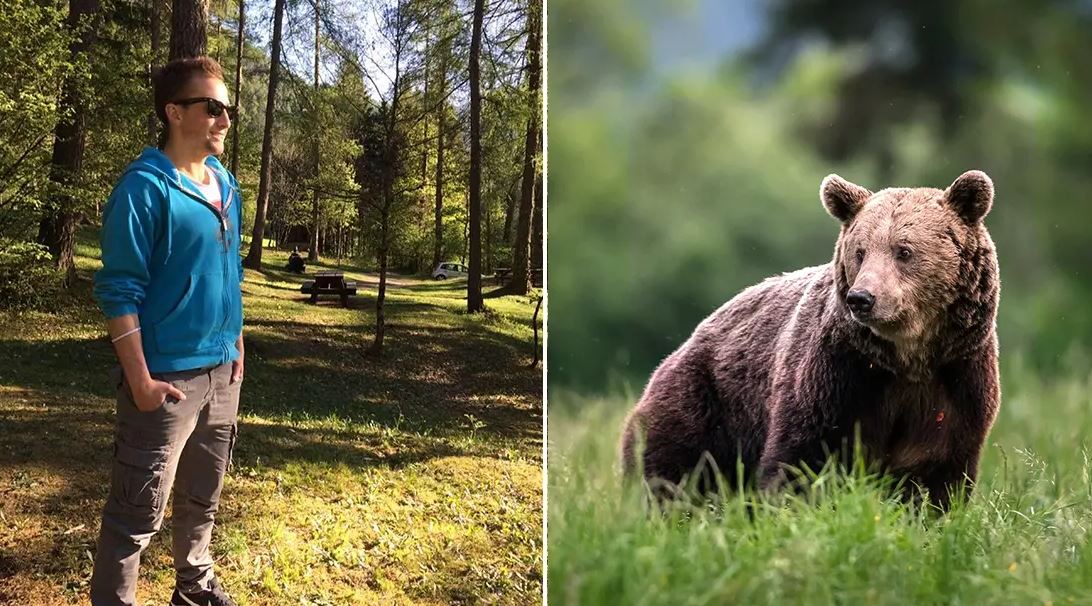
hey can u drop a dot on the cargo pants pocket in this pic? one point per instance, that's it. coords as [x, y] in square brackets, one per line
[231, 446]
[138, 477]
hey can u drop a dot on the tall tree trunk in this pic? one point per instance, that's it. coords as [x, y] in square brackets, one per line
[425, 100]
[520, 276]
[239, 37]
[155, 29]
[510, 198]
[220, 32]
[189, 28]
[391, 158]
[381, 293]
[536, 228]
[57, 229]
[474, 301]
[384, 228]
[313, 253]
[438, 219]
[488, 241]
[254, 257]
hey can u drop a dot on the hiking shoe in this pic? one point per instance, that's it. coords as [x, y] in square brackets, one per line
[213, 596]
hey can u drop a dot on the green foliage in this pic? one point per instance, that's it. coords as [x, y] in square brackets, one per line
[504, 126]
[661, 213]
[28, 278]
[34, 61]
[113, 78]
[672, 190]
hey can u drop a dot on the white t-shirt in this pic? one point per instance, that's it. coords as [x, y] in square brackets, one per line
[210, 189]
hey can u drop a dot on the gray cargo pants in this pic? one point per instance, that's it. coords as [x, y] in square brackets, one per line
[185, 443]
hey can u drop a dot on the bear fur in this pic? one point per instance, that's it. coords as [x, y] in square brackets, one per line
[787, 372]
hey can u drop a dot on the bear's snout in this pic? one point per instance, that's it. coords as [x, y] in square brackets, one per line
[860, 301]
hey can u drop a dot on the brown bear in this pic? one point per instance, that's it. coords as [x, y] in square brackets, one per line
[893, 344]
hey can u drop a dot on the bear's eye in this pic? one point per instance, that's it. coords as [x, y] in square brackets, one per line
[903, 254]
[860, 255]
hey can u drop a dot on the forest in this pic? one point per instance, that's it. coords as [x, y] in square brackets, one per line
[403, 133]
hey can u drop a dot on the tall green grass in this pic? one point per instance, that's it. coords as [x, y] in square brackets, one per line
[1021, 538]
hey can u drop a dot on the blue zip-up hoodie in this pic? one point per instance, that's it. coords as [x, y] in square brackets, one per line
[169, 257]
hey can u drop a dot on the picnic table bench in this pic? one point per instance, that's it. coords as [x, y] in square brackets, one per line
[503, 274]
[329, 283]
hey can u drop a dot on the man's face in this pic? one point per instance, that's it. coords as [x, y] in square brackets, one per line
[192, 124]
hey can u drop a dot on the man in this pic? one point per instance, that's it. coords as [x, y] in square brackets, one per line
[170, 289]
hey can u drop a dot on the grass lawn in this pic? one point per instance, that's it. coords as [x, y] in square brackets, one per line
[1024, 537]
[414, 478]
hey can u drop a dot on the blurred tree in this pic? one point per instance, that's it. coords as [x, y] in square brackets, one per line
[912, 54]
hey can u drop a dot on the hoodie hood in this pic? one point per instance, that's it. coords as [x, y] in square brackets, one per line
[155, 162]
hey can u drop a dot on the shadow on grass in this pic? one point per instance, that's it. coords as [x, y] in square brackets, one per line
[55, 461]
[435, 286]
[427, 379]
[282, 275]
[57, 422]
[57, 398]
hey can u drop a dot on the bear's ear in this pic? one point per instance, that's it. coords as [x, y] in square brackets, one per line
[841, 198]
[971, 196]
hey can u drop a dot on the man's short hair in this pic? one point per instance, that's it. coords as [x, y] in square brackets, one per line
[171, 80]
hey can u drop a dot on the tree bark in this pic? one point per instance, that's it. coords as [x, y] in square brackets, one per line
[520, 283]
[220, 33]
[254, 257]
[313, 252]
[189, 28]
[488, 238]
[510, 198]
[474, 302]
[57, 229]
[391, 160]
[425, 99]
[239, 38]
[438, 235]
[381, 293]
[155, 28]
[389, 165]
[536, 228]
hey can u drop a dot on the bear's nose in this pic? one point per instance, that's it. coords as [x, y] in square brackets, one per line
[860, 301]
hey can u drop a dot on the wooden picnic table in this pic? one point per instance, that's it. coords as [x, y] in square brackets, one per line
[504, 274]
[329, 283]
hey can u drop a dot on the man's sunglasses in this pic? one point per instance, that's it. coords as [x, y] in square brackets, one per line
[212, 106]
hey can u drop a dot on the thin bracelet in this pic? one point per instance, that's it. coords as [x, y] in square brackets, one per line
[123, 335]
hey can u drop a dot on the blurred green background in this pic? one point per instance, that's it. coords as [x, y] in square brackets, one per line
[687, 141]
